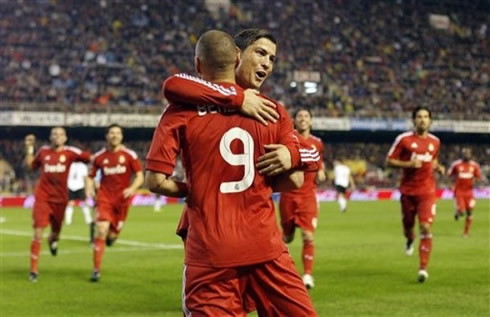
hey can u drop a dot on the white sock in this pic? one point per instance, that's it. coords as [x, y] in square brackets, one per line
[86, 213]
[158, 204]
[342, 203]
[68, 215]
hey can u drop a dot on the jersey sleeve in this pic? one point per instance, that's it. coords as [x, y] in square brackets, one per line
[477, 171]
[93, 168]
[396, 149]
[185, 89]
[309, 157]
[37, 160]
[83, 157]
[165, 145]
[288, 137]
[135, 165]
[451, 171]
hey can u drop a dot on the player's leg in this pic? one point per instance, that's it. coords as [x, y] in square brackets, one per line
[104, 215]
[287, 208]
[342, 201]
[459, 202]
[56, 219]
[408, 221]
[426, 209]
[87, 216]
[117, 223]
[277, 289]
[69, 210]
[213, 292]
[469, 205]
[157, 205]
[40, 220]
[308, 257]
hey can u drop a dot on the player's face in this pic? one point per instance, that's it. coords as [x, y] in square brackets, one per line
[302, 121]
[256, 63]
[57, 137]
[114, 136]
[467, 154]
[422, 121]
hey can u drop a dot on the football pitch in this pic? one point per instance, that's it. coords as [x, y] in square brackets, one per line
[360, 266]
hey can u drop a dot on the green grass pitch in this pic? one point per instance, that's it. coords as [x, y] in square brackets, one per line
[360, 266]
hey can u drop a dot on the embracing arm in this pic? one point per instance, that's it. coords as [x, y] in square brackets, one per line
[160, 183]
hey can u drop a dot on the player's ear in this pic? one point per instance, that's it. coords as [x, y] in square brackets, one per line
[197, 65]
[238, 56]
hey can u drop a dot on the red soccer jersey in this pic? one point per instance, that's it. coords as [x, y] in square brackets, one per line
[311, 149]
[464, 173]
[409, 146]
[116, 168]
[52, 185]
[230, 212]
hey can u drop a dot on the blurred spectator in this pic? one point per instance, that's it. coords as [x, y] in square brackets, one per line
[376, 58]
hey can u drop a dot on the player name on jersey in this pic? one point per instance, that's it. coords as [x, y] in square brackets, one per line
[118, 169]
[56, 168]
[210, 109]
[427, 157]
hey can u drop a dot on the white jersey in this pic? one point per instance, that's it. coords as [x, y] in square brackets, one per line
[76, 176]
[341, 175]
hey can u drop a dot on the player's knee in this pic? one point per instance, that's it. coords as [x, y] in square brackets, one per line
[307, 236]
[425, 228]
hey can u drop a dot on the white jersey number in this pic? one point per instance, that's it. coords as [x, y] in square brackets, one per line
[246, 159]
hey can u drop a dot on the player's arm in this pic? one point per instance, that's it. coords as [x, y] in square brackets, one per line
[352, 184]
[189, 90]
[139, 179]
[438, 167]
[29, 142]
[403, 164]
[290, 180]
[291, 153]
[162, 184]
[321, 175]
[89, 187]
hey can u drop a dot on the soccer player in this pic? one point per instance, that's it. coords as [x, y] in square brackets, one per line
[416, 152]
[51, 194]
[342, 180]
[299, 207]
[464, 171]
[76, 191]
[233, 245]
[117, 164]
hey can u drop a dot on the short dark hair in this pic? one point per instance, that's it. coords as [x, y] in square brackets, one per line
[247, 37]
[114, 125]
[302, 109]
[418, 108]
[217, 49]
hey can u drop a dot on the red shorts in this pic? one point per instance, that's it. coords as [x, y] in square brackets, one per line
[114, 213]
[422, 206]
[299, 211]
[274, 286]
[45, 213]
[464, 202]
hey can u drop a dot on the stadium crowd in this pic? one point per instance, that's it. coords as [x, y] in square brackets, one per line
[376, 58]
[366, 161]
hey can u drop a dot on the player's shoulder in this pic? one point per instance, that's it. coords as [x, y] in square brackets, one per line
[130, 152]
[404, 136]
[100, 153]
[72, 149]
[316, 139]
[474, 163]
[433, 137]
[457, 162]
[44, 148]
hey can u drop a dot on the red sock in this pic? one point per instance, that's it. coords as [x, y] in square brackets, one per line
[467, 225]
[35, 250]
[424, 250]
[99, 247]
[308, 256]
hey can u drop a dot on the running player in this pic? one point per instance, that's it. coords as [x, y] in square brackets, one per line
[117, 164]
[464, 171]
[299, 207]
[51, 194]
[342, 178]
[416, 153]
